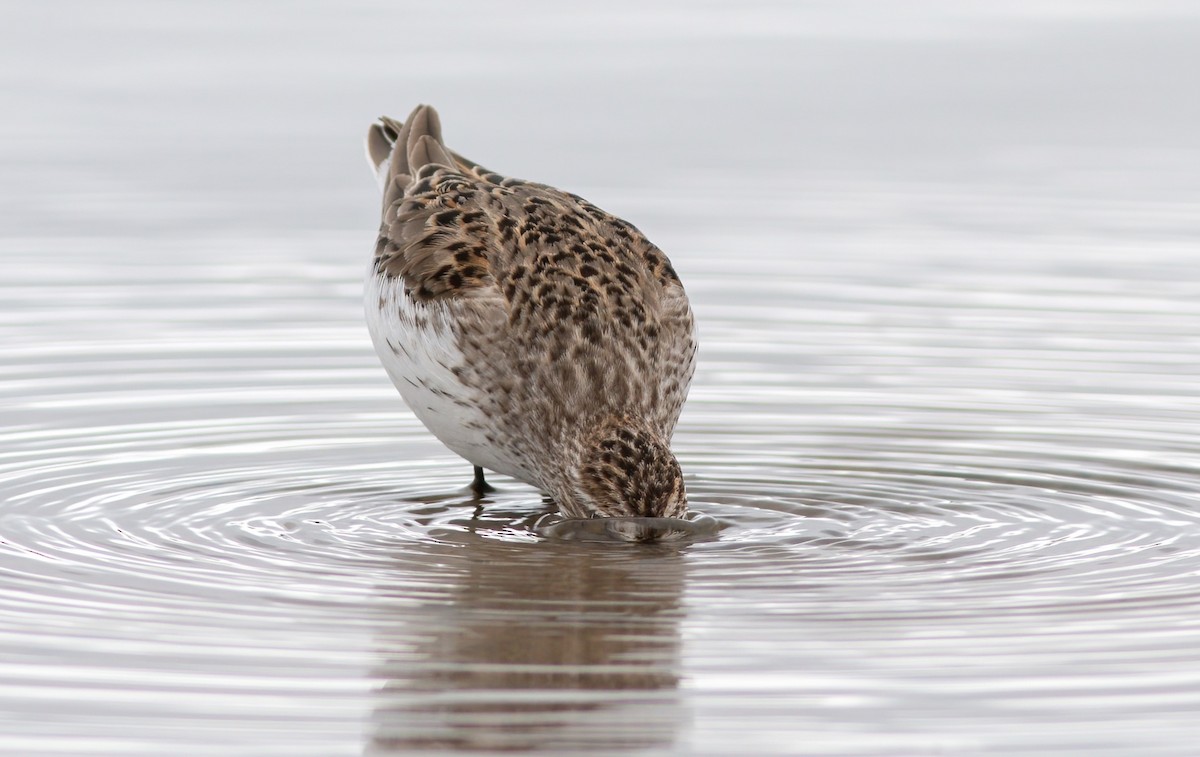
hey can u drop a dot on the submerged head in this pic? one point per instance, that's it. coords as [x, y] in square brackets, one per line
[626, 470]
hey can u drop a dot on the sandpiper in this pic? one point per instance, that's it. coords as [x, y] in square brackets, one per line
[533, 333]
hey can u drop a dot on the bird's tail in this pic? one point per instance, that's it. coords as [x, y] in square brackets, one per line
[398, 150]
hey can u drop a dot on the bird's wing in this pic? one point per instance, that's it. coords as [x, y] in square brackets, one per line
[437, 230]
[455, 231]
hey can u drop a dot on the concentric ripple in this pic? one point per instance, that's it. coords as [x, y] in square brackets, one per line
[958, 509]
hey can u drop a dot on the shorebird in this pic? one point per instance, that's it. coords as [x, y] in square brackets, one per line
[533, 333]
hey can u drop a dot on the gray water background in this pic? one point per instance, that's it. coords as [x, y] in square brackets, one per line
[944, 260]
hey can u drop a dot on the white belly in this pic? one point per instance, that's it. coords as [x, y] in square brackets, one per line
[419, 350]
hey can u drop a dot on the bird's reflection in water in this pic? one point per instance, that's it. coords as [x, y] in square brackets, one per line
[536, 646]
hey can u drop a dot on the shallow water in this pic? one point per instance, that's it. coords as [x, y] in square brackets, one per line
[947, 424]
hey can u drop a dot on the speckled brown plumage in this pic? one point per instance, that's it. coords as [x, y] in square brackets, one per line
[532, 332]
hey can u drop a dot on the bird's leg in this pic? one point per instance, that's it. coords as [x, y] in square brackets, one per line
[479, 486]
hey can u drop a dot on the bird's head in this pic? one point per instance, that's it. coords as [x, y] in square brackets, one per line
[625, 469]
